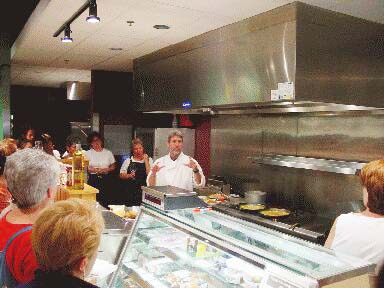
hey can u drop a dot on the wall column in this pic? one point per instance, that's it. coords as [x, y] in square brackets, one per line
[5, 84]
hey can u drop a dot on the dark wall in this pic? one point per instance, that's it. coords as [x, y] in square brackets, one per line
[46, 110]
[113, 98]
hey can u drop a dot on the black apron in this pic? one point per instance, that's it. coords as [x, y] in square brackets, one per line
[103, 183]
[132, 191]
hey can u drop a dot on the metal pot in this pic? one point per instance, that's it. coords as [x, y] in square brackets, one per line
[255, 197]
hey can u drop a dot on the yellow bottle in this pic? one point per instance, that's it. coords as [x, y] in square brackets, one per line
[78, 169]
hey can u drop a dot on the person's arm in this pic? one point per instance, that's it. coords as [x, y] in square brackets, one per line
[198, 175]
[331, 236]
[151, 179]
[111, 168]
[123, 170]
[147, 164]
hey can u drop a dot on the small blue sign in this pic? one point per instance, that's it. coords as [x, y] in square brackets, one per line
[187, 105]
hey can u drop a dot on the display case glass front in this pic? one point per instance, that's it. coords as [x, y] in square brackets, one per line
[188, 249]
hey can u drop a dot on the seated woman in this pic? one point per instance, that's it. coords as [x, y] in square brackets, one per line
[49, 146]
[31, 177]
[70, 147]
[361, 234]
[135, 170]
[7, 147]
[65, 239]
[24, 143]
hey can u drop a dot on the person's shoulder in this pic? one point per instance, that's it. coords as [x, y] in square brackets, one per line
[126, 161]
[107, 151]
[162, 158]
[22, 244]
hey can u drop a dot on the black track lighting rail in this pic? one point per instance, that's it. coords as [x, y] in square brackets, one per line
[73, 18]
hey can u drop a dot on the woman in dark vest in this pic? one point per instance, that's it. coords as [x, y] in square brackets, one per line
[134, 172]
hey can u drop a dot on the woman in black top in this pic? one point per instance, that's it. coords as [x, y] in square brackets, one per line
[134, 172]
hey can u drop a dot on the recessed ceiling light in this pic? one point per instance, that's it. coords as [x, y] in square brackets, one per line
[161, 26]
[130, 22]
[115, 49]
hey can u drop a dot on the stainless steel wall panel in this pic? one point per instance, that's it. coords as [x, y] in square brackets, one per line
[233, 139]
[223, 72]
[340, 59]
[279, 135]
[323, 192]
[341, 137]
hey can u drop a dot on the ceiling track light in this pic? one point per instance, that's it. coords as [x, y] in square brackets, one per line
[92, 18]
[67, 35]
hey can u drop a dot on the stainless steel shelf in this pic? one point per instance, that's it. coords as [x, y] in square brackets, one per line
[333, 166]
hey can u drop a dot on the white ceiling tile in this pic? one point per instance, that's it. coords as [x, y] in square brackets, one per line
[148, 47]
[99, 44]
[79, 61]
[121, 62]
[37, 46]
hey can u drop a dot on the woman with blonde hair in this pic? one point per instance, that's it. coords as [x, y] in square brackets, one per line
[8, 146]
[361, 234]
[65, 239]
[134, 172]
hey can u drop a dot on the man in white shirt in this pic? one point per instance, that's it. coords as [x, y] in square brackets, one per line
[176, 168]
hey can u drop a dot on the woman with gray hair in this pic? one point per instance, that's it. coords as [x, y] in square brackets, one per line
[32, 177]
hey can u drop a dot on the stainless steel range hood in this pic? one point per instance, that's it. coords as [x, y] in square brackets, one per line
[335, 61]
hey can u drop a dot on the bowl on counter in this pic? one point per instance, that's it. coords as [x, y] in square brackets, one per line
[124, 211]
[255, 197]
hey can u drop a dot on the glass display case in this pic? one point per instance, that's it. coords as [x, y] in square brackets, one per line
[201, 248]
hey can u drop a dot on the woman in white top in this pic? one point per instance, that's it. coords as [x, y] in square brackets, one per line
[361, 234]
[101, 164]
[134, 172]
[48, 146]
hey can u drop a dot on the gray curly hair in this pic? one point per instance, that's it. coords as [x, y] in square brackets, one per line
[174, 133]
[29, 174]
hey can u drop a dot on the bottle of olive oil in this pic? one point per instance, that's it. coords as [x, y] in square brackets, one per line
[78, 169]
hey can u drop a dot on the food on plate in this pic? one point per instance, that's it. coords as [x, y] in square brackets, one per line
[130, 214]
[252, 207]
[275, 212]
[119, 210]
[218, 196]
[185, 279]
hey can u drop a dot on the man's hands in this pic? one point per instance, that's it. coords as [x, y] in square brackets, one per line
[192, 164]
[156, 168]
[97, 170]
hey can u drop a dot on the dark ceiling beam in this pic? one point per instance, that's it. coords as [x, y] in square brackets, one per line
[13, 16]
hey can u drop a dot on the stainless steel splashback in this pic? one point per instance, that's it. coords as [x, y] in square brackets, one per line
[330, 57]
[344, 137]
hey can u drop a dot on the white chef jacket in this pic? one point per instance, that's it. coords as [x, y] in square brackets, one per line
[175, 173]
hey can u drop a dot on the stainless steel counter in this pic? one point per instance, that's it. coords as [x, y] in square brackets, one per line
[302, 225]
[114, 236]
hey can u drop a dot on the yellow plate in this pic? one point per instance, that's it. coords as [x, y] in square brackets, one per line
[252, 207]
[275, 212]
